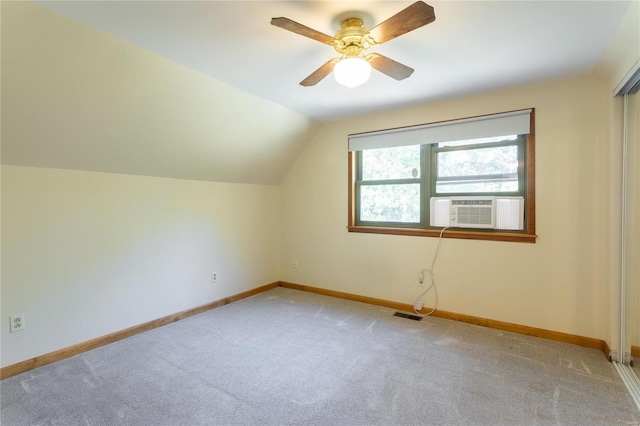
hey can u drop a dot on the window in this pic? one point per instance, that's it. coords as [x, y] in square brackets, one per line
[412, 181]
[479, 166]
[390, 186]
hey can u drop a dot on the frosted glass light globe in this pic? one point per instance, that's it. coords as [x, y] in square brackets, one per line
[352, 71]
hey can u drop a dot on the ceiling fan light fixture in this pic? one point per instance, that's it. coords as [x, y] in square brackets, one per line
[352, 71]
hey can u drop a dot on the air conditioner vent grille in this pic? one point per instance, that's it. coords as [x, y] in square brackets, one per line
[475, 215]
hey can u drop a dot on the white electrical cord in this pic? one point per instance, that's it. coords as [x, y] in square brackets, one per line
[433, 281]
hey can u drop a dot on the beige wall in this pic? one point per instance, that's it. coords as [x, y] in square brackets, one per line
[85, 254]
[560, 283]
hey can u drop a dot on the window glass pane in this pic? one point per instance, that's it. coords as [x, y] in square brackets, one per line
[479, 141]
[391, 163]
[478, 170]
[483, 161]
[390, 203]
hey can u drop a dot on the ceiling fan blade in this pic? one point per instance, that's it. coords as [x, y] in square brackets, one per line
[297, 28]
[320, 73]
[414, 16]
[389, 67]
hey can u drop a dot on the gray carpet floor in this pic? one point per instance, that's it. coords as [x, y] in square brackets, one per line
[286, 357]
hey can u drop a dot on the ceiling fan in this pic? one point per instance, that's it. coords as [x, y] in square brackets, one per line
[351, 41]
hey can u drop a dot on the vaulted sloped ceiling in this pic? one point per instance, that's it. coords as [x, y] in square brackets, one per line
[74, 97]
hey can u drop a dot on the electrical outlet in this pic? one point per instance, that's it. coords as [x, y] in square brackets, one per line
[421, 279]
[17, 323]
[214, 277]
[296, 264]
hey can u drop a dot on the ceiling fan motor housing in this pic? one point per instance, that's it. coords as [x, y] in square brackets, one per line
[353, 38]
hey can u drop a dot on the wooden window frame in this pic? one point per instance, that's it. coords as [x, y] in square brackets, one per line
[526, 236]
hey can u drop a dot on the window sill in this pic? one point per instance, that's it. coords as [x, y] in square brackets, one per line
[515, 237]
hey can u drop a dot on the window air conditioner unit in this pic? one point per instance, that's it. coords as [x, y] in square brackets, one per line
[478, 212]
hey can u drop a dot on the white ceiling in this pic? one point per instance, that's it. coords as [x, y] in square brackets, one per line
[472, 46]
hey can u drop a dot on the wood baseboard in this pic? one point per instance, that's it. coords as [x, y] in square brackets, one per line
[39, 361]
[588, 342]
[79, 348]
